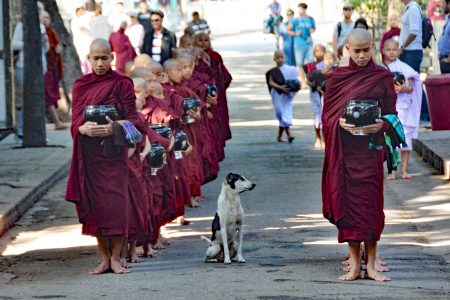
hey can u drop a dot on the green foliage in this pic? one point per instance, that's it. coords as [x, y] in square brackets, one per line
[375, 12]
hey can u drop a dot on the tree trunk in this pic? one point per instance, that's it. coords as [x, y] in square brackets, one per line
[72, 69]
[33, 91]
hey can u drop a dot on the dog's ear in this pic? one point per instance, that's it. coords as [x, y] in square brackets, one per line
[231, 180]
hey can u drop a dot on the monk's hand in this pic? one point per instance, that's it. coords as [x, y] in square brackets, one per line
[91, 129]
[172, 143]
[108, 127]
[349, 127]
[210, 115]
[211, 100]
[188, 150]
[196, 115]
[58, 49]
[374, 128]
[131, 151]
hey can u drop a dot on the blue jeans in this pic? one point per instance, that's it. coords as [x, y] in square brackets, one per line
[303, 54]
[413, 58]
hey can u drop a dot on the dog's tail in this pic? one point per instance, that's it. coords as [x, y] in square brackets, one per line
[206, 239]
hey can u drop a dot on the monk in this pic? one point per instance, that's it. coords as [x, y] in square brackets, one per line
[187, 42]
[194, 131]
[53, 75]
[142, 60]
[223, 80]
[352, 180]
[123, 50]
[98, 183]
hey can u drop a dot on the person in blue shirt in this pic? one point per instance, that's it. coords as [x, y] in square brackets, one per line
[444, 42]
[301, 28]
[287, 40]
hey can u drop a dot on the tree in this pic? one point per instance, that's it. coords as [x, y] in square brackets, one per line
[70, 58]
[375, 12]
[33, 90]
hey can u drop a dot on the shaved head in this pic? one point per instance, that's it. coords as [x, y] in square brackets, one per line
[144, 73]
[170, 64]
[359, 35]
[360, 46]
[391, 42]
[100, 56]
[100, 44]
[143, 60]
[139, 82]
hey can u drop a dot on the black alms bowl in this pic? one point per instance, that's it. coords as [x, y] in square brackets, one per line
[162, 130]
[399, 77]
[190, 103]
[181, 141]
[362, 112]
[212, 89]
[157, 156]
[98, 113]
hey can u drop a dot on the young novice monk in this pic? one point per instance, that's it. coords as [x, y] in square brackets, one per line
[98, 184]
[352, 180]
[409, 100]
[281, 96]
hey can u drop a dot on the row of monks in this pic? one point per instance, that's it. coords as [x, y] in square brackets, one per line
[119, 196]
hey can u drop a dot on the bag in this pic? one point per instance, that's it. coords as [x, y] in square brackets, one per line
[293, 85]
[427, 29]
[125, 134]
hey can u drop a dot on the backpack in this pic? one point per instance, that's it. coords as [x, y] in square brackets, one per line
[339, 29]
[427, 29]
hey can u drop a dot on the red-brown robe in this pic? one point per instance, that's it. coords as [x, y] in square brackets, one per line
[210, 145]
[98, 184]
[223, 80]
[123, 50]
[352, 180]
[173, 174]
[54, 70]
[193, 161]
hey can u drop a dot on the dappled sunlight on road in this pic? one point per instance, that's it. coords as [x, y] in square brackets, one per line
[274, 123]
[59, 237]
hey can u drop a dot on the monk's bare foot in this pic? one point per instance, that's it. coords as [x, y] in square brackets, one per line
[346, 262]
[124, 263]
[134, 258]
[380, 266]
[347, 268]
[152, 253]
[352, 274]
[117, 267]
[318, 144]
[164, 240]
[103, 267]
[158, 245]
[61, 126]
[183, 221]
[374, 275]
[200, 198]
[406, 176]
[194, 203]
[391, 176]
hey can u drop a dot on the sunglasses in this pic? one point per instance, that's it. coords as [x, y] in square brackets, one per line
[348, 9]
[155, 20]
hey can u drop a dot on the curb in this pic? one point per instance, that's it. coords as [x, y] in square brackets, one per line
[433, 158]
[8, 219]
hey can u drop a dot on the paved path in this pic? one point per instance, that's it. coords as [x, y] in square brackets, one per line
[291, 251]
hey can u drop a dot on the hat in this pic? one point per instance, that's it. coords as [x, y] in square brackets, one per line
[348, 5]
[132, 14]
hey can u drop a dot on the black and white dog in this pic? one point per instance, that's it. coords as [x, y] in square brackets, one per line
[228, 222]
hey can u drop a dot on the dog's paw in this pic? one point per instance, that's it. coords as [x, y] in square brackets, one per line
[227, 261]
[241, 260]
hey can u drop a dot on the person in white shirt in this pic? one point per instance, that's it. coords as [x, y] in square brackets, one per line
[82, 37]
[135, 32]
[117, 17]
[99, 24]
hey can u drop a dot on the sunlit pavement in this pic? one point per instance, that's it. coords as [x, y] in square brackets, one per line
[291, 251]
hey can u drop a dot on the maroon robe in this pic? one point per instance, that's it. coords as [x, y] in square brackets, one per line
[53, 75]
[195, 133]
[123, 50]
[352, 180]
[98, 184]
[223, 80]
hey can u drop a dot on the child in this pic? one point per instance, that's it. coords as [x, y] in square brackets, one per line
[409, 100]
[314, 95]
[281, 95]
